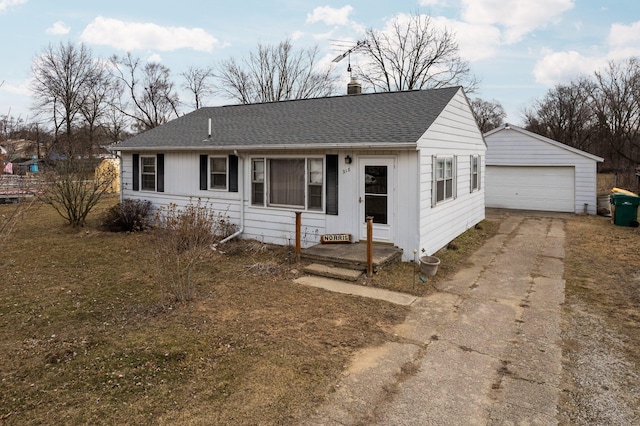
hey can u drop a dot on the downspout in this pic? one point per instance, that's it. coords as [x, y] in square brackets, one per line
[241, 190]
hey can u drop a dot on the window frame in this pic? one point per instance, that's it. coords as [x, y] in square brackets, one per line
[255, 180]
[318, 183]
[440, 175]
[210, 173]
[475, 173]
[143, 173]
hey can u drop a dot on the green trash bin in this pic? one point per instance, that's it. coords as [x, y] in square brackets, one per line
[625, 209]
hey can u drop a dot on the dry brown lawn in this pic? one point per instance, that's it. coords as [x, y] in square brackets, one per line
[87, 337]
[601, 326]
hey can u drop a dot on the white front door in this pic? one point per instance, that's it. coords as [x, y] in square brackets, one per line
[377, 190]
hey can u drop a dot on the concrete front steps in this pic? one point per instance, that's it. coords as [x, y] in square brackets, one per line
[347, 262]
[330, 271]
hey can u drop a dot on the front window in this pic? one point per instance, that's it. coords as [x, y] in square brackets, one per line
[444, 179]
[218, 173]
[148, 172]
[290, 182]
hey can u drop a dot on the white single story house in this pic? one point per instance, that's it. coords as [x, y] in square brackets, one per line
[414, 160]
[527, 171]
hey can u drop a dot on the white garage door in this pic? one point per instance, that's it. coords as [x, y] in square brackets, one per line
[530, 188]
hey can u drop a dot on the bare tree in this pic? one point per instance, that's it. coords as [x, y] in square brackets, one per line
[276, 73]
[488, 114]
[116, 123]
[599, 114]
[198, 83]
[565, 114]
[100, 94]
[413, 54]
[152, 99]
[11, 127]
[616, 104]
[63, 77]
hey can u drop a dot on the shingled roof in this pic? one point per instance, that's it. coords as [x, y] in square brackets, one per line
[373, 119]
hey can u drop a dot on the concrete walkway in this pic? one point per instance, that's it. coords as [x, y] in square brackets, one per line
[483, 350]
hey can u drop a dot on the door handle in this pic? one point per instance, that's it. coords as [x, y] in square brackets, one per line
[359, 199]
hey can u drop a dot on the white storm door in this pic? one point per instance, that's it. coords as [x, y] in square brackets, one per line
[377, 190]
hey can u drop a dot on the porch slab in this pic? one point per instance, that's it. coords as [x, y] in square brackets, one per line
[353, 256]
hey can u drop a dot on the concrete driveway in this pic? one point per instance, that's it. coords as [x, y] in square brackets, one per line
[484, 349]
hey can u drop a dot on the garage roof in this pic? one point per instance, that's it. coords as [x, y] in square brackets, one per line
[511, 127]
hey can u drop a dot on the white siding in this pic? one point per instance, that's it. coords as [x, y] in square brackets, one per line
[454, 133]
[416, 225]
[509, 147]
[181, 186]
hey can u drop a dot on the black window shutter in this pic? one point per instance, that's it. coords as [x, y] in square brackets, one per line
[332, 184]
[136, 172]
[203, 172]
[233, 173]
[160, 172]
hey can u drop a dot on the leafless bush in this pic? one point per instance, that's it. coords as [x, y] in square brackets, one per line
[184, 238]
[73, 189]
[128, 216]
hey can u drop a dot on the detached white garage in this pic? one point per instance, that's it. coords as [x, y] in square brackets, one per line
[527, 171]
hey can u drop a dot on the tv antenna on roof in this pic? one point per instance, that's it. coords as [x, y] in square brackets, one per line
[347, 54]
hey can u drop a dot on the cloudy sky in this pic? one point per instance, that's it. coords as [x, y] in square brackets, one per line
[517, 48]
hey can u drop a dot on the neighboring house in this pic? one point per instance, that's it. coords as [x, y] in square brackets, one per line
[527, 171]
[413, 160]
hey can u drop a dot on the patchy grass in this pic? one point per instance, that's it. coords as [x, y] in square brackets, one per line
[601, 323]
[603, 271]
[86, 336]
[405, 277]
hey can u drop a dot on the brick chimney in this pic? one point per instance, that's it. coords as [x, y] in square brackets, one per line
[354, 88]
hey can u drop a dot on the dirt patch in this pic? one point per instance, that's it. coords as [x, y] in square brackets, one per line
[601, 324]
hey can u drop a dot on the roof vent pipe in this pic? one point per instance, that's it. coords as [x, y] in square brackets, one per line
[209, 129]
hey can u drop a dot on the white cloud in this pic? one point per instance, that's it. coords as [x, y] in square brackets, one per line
[624, 40]
[139, 35]
[154, 58]
[430, 2]
[330, 15]
[516, 17]
[17, 89]
[6, 4]
[58, 28]
[475, 41]
[563, 67]
[324, 36]
[297, 35]
[624, 34]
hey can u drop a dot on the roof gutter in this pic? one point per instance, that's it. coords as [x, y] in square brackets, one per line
[403, 145]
